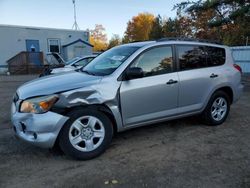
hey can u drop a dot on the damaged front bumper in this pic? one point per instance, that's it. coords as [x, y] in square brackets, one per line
[38, 129]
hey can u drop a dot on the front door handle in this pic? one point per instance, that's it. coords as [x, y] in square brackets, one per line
[213, 75]
[171, 81]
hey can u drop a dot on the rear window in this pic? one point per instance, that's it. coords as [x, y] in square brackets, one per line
[195, 56]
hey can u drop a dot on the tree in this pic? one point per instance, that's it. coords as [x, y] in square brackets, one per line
[219, 19]
[99, 33]
[170, 28]
[183, 26]
[98, 38]
[178, 27]
[157, 29]
[139, 28]
[114, 41]
[201, 27]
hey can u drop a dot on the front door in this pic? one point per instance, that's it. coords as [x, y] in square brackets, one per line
[32, 46]
[156, 94]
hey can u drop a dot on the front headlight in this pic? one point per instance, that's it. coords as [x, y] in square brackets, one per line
[38, 105]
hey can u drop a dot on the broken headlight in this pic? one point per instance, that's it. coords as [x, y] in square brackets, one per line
[38, 105]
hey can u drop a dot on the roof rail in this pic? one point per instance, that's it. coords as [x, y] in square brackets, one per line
[187, 39]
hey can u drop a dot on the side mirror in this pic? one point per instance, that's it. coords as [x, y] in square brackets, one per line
[133, 73]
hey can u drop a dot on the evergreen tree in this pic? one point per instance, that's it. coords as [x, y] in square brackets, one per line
[157, 30]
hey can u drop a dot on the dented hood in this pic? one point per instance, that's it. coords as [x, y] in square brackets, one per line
[56, 83]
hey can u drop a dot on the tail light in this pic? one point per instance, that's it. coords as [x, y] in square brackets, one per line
[238, 68]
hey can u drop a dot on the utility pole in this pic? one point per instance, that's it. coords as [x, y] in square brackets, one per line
[75, 25]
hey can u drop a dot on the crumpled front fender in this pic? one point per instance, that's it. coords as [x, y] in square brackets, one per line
[105, 93]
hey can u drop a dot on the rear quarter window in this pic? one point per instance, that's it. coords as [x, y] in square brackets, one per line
[215, 56]
[200, 56]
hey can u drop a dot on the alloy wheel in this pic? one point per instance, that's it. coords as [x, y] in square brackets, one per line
[219, 108]
[86, 133]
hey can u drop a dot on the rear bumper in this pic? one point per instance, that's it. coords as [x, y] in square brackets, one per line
[38, 129]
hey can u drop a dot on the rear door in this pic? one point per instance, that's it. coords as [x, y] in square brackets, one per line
[199, 73]
[155, 95]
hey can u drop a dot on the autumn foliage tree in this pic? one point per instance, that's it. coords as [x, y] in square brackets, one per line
[98, 38]
[139, 28]
[226, 21]
[114, 41]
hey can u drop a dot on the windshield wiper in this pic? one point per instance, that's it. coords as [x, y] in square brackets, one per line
[90, 73]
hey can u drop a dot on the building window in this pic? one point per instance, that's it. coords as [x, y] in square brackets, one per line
[54, 45]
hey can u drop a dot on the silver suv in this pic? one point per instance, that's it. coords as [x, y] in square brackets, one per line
[125, 87]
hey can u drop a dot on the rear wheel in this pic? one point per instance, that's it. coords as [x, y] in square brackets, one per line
[217, 109]
[86, 135]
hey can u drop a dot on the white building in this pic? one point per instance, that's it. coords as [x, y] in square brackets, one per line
[16, 39]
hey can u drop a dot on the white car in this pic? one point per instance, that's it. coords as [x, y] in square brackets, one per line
[73, 64]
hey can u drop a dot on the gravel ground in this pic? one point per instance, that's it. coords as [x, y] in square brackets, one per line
[180, 153]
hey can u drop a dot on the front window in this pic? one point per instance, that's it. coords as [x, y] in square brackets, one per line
[155, 61]
[109, 61]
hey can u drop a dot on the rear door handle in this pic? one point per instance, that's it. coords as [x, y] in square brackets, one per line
[213, 75]
[172, 82]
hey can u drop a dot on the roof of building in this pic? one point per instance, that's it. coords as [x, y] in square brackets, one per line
[39, 28]
[79, 40]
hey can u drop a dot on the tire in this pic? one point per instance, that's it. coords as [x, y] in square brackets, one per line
[86, 135]
[217, 109]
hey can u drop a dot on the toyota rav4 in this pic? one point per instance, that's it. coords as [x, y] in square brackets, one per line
[127, 86]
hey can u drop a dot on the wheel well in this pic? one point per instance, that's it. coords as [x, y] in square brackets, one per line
[228, 91]
[103, 108]
[100, 107]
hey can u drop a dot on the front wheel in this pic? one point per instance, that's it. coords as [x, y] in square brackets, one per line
[217, 109]
[86, 134]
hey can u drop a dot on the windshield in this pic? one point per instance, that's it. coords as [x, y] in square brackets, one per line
[72, 60]
[109, 61]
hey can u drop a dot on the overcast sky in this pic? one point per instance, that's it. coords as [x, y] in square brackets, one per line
[112, 14]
